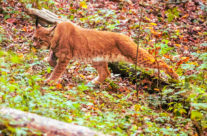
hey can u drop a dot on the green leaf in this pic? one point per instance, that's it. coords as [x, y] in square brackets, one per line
[82, 87]
[203, 56]
[199, 106]
[188, 66]
[49, 69]
[203, 66]
[204, 44]
[196, 115]
[7, 16]
[15, 59]
[165, 48]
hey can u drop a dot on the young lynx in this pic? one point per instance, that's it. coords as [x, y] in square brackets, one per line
[68, 41]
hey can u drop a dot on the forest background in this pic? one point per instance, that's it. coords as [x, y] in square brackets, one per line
[175, 31]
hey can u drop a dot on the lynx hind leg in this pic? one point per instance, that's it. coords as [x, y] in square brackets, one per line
[52, 60]
[58, 70]
[103, 72]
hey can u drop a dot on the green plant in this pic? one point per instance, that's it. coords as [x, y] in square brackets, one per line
[172, 14]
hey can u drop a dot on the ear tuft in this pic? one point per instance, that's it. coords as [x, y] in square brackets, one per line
[53, 28]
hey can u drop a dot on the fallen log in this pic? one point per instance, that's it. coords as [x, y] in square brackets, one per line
[45, 15]
[148, 82]
[48, 126]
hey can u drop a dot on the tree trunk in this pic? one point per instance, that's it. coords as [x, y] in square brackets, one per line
[45, 125]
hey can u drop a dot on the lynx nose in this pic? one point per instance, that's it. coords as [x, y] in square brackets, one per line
[33, 37]
[35, 45]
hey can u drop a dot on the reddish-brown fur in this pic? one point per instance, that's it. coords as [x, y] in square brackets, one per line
[69, 41]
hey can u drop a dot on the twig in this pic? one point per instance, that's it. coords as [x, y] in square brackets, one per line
[137, 54]
[158, 74]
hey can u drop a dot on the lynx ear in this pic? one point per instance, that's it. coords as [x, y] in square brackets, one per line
[37, 21]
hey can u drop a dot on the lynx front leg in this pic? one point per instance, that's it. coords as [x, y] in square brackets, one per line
[52, 60]
[59, 69]
[103, 72]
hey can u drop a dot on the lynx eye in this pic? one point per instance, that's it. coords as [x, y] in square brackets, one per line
[40, 40]
[35, 38]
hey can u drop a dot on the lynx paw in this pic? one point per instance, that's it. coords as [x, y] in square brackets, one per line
[46, 59]
[52, 63]
[94, 82]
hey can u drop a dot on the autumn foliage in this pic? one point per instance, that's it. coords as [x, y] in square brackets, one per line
[174, 31]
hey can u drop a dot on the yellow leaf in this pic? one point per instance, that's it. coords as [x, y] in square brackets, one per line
[151, 28]
[150, 59]
[195, 134]
[102, 105]
[147, 18]
[24, 29]
[82, 76]
[153, 24]
[12, 80]
[33, 49]
[137, 107]
[184, 59]
[21, 55]
[178, 45]
[156, 89]
[186, 15]
[193, 63]
[83, 4]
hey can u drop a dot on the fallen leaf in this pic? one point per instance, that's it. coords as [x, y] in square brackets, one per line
[178, 45]
[59, 86]
[156, 89]
[83, 5]
[137, 107]
[11, 20]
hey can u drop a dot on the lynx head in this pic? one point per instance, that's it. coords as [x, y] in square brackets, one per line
[42, 36]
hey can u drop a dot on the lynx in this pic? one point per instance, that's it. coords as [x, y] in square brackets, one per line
[68, 41]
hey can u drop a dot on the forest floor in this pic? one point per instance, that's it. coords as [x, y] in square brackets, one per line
[174, 32]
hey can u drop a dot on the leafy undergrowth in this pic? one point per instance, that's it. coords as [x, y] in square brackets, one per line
[113, 108]
[109, 111]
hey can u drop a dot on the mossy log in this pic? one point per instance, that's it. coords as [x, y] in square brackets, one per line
[48, 126]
